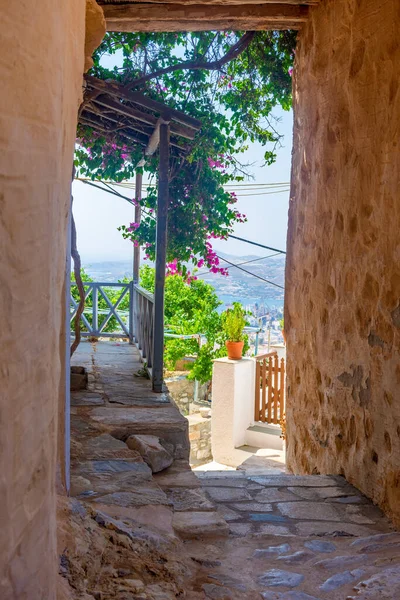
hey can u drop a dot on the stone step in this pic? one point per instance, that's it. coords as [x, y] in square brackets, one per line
[164, 422]
[190, 525]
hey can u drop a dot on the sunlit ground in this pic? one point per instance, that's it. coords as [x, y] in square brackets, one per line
[251, 459]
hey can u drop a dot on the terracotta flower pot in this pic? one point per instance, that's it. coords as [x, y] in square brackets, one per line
[235, 350]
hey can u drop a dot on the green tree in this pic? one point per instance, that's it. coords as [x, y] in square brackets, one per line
[190, 309]
[231, 81]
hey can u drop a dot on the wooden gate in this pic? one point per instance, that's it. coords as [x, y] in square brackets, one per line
[270, 388]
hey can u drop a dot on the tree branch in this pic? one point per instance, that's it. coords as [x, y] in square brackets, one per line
[77, 272]
[215, 65]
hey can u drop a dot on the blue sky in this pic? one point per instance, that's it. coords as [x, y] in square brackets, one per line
[98, 214]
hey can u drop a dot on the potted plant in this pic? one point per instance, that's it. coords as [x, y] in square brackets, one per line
[233, 323]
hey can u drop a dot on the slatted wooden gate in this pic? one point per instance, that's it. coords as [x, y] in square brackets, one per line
[270, 388]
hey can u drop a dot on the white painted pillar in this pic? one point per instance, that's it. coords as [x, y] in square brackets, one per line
[232, 406]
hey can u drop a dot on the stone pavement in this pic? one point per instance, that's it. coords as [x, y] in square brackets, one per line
[113, 477]
[255, 533]
[298, 538]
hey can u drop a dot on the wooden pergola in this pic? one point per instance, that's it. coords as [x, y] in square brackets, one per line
[110, 108]
[205, 15]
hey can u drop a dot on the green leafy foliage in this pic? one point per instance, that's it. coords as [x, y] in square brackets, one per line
[190, 309]
[233, 322]
[234, 103]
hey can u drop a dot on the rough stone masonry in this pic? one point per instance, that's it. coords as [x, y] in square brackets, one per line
[343, 267]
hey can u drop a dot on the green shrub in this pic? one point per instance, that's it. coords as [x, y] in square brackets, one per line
[233, 322]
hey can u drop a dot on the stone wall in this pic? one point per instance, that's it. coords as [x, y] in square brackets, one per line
[342, 314]
[200, 439]
[42, 50]
[182, 391]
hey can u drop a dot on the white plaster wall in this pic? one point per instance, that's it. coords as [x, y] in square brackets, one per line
[41, 65]
[232, 406]
[265, 436]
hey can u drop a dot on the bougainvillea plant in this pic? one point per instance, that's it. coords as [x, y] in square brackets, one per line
[230, 81]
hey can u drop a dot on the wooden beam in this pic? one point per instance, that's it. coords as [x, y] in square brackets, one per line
[141, 116]
[99, 122]
[138, 214]
[122, 120]
[161, 257]
[117, 89]
[92, 120]
[127, 111]
[210, 2]
[196, 17]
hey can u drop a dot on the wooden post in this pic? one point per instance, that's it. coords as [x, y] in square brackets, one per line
[282, 388]
[264, 390]
[161, 255]
[276, 388]
[257, 393]
[131, 313]
[95, 314]
[269, 420]
[136, 249]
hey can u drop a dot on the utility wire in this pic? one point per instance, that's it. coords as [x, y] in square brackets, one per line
[240, 195]
[111, 191]
[235, 237]
[246, 262]
[229, 187]
[253, 274]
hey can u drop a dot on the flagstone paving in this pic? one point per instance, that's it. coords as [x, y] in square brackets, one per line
[297, 549]
[250, 534]
[110, 472]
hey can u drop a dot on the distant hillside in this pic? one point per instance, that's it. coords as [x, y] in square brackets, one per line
[240, 286]
[244, 286]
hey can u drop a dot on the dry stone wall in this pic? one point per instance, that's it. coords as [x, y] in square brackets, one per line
[342, 314]
[182, 391]
[200, 439]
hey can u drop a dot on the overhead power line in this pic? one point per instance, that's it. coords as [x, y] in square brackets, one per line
[257, 185]
[110, 190]
[246, 262]
[242, 189]
[235, 237]
[253, 274]
[240, 195]
[132, 184]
